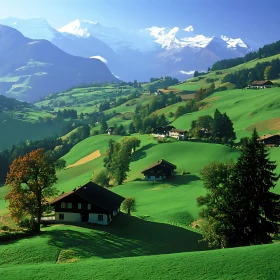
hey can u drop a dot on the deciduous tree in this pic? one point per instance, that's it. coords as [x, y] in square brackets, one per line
[31, 181]
[129, 205]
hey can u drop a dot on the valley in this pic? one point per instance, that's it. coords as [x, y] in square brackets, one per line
[61, 92]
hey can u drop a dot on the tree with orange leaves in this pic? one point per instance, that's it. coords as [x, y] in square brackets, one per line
[31, 179]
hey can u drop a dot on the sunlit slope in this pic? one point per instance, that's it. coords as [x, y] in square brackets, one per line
[256, 262]
[216, 76]
[172, 201]
[246, 108]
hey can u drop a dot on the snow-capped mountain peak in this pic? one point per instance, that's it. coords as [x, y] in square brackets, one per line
[79, 27]
[233, 43]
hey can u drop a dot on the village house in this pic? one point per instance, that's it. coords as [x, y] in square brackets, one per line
[261, 84]
[89, 203]
[162, 131]
[178, 134]
[270, 139]
[110, 130]
[159, 171]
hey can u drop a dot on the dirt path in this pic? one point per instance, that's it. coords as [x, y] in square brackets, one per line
[86, 159]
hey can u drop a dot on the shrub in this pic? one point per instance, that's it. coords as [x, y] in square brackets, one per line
[128, 205]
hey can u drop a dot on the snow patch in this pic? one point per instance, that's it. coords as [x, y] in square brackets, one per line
[187, 72]
[233, 43]
[104, 60]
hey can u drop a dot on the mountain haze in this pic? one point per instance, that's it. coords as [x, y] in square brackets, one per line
[31, 69]
[149, 52]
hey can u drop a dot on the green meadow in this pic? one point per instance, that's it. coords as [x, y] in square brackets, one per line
[159, 240]
[246, 108]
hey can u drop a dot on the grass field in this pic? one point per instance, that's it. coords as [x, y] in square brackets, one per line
[157, 242]
[246, 108]
[256, 262]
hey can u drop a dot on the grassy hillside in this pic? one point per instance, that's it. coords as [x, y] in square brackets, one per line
[216, 76]
[246, 108]
[256, 262]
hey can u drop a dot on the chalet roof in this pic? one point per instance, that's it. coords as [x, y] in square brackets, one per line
[168, 127]
[96, 195]
[178, 130]
[160, 162]
[267, 136]
[261, 83]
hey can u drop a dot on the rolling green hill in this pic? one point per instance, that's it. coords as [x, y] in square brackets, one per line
[216, 76]
[255, 262]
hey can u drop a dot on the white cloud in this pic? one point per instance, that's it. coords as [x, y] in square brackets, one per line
[189, 28]
[186, 72]
[104, 60]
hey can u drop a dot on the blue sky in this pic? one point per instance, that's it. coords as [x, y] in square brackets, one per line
[255, 20]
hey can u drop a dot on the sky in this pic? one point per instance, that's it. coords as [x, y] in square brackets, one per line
[256, 20]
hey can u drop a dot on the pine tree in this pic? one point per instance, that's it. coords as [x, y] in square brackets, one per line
[104, 125]
[240, 208]
[258, 207]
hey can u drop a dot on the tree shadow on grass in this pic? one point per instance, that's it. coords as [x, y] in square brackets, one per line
[141, 153]
[126, 236]
[178, 180]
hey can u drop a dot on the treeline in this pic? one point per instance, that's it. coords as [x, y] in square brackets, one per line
[144, 121]
[265, 51]
[163, 82]
[192, 105]
[219, 127]
[67, 113]
[7, 103]
[265, 70]
[55, 147]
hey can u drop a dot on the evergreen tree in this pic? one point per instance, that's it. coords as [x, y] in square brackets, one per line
[240, 208]
[104, 125]
[217, 122]
[258, 208]
[131, 128]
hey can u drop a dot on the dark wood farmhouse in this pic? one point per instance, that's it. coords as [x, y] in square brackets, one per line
[178, 134]
[261, 84]
[110, 130]
[159, 171]
[162, 131]
[89, 203]
[270, 139]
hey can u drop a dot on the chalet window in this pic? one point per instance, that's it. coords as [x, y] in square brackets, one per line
[89, 206]
[61, 217]
[63, 205]
[69, 205]
[79, 205]
[100, 217]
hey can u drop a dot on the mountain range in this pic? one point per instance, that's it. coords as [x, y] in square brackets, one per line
[31, 69]
[149, 52]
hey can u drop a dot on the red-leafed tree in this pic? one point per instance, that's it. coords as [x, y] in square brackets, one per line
[31, 181]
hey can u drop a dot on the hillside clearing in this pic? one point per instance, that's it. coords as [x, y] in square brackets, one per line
[86, 159]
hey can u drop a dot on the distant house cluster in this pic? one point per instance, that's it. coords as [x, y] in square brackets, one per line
[169, 131]
[260, 85]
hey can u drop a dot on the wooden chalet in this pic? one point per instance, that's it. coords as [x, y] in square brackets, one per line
[178, 134]
[162, 131]
[89, 203]
[110, 130]
[159, 171]
[261, 84]
[270, 139]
